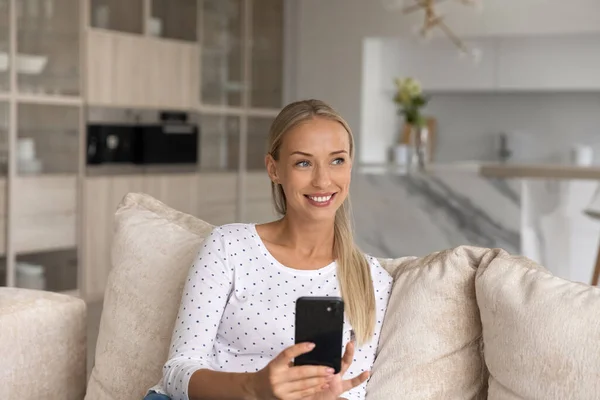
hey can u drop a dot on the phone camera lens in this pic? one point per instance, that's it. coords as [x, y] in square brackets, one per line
[328, 309]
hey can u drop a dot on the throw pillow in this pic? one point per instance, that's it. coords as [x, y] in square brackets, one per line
[153, 249]
[541, 333]
[430, 346]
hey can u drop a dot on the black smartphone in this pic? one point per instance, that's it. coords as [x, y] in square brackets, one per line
[320, 320]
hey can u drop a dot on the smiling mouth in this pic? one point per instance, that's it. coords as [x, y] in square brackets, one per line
[321, 200]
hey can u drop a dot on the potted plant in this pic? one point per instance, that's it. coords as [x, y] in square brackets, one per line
[410, 100]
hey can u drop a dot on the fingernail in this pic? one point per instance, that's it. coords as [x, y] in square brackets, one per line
[325, 386]
[311, 346]
[330, 370]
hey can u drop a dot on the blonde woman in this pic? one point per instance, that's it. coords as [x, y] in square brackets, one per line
[234, 334]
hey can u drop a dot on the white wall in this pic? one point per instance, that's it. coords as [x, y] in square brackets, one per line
[330, 34]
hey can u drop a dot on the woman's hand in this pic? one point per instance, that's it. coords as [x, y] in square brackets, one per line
[337, 386]
[282, 381]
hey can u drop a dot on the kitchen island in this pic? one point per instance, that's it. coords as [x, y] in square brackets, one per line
[538, 215]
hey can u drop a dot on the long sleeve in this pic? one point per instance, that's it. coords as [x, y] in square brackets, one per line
[203, 301]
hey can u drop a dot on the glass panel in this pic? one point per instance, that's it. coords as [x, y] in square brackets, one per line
[4, 42]
[173, 19]
[47, 139]
[267, 54]
[48, 46]
[219, 143]
[50, 270]
[222, 79]
[4, 123]
[4, 114]
[118, 15]
[258, 133]
[3, 272]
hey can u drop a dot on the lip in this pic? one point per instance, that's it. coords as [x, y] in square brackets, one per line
[320, 204]
[321, 194]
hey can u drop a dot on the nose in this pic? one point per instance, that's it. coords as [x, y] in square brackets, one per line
[321, 178]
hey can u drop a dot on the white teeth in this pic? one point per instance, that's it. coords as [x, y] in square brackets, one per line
[320, 199]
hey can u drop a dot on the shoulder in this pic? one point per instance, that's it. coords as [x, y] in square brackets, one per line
[234, 230]
[379, 274]
[233, 236]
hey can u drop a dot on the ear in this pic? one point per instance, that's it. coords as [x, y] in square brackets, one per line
[271, 165]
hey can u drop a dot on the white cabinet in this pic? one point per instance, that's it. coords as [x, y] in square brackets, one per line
[516, 63]
[549, 63]
[439, 66]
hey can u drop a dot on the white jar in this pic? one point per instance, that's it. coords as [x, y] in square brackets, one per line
[30, 276]
[26, 149]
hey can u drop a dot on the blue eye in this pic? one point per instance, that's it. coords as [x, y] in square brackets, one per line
[302, 163]
[338, 161]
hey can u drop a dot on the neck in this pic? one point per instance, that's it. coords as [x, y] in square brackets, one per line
[308, 238]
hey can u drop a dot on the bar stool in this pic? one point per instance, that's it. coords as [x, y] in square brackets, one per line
[593, 211]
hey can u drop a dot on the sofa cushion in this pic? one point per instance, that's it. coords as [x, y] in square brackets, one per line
[430, 345]
[42, 345]
[541, 333]
[153, 248]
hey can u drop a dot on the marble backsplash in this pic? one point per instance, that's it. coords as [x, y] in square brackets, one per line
[399, 215]
[413, 215]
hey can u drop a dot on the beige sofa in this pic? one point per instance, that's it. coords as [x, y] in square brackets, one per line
[465, 323]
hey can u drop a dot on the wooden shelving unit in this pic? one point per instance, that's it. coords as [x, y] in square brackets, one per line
[93, 54]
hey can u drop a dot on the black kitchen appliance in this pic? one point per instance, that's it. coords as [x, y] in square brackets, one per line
[110, 143]
[168, 143]
[173, 141]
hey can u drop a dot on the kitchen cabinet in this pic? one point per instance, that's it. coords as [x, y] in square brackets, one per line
[222, 52]
[47, 139]
[219, 142]
[48, 39]
[140, 72]
[516, 63]
[173, 19]
[256, 149]
[45, 213]
[4, 46]
[242, 53]
[439, 66]
[266, 51]
[118, 15]
[209, 196]
[566, 62]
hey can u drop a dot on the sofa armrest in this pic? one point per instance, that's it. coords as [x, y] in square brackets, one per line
[42, 345]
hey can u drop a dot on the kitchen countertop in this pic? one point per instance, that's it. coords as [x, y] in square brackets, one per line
[495, 170]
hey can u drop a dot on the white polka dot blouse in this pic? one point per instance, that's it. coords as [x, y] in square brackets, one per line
[238, 305]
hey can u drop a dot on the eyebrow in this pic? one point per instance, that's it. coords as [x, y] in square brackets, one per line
[310, 155]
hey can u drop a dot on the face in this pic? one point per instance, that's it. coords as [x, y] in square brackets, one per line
[314, 168]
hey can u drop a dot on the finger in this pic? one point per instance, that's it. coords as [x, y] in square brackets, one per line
[309, 371]
[292, 352]
[309, 392]
[305, 384]
[354, 382]
[348, 357]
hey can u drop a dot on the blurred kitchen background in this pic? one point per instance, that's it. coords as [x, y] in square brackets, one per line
[174, 98]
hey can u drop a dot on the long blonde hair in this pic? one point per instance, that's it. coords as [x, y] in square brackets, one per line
[354, 273]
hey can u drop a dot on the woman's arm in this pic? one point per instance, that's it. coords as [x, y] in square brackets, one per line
[207, 384]
[205, 294]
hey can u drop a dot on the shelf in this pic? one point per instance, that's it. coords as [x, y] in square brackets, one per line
[49, 99]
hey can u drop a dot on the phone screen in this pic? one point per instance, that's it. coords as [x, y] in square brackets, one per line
[320, 320]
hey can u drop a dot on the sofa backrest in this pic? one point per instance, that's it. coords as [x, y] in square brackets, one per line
[432, 341]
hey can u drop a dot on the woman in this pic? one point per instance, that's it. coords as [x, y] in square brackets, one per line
[234, 334]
